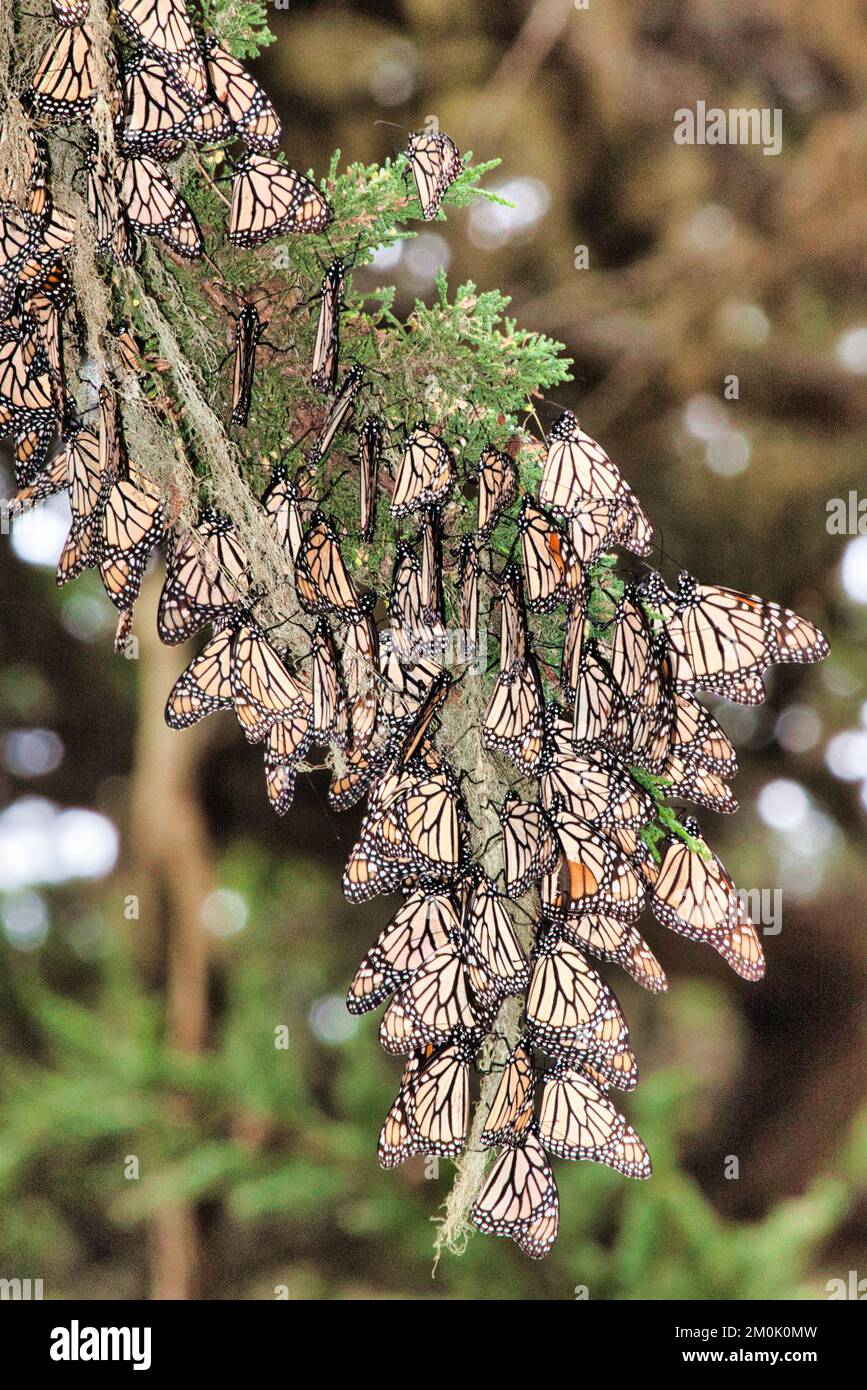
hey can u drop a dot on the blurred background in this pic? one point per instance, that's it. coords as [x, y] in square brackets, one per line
[163, 934]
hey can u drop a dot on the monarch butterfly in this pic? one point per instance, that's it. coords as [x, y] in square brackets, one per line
[597, 788]
[347, 788]
[559, 734]
[493, 938]
[609, 939]
[415, 630]
[425, 473]
[641, 669]
[634, 846]
[652, 713]
[423, 923]
[578, 470]
[46, 275]
[51, 477]
[519, 1199]
[513, 721]
[414, 741]
[155, 208]
[207, 578]
[513, 619]
[698, 738]
[30, 447]
[325, 586]
[288, 738]
[43, 270]
[398, 1139]
[263, 688]
[326, 349]
[369, 454]
[113, 231]
[596, 527]
[550, 568]
[27, 235]
[431, 1112]
[38, 200]
[362, 718]
[280, 785]
[511, 1110]
[241, 96]
[20, 237]
[573, 647]
[722, 640]
[64, 87]
[694, 896]
[594, 875]
[270, 199]
[435, 162]
[248, 331]
[432, 565]
[600, 712]
[70, 12]
[361, 650]
[58, 230]
[163, 28]
[514, 718]
[326, 684]
[159, 119]
[404, 686]
[130, 514]
[630, 645]
[571, 1011]
[468, 584]
[26, 395]
[530, 848]
[577, 1121]
[87, 464]
[383, 833]
[131, 524]
[690, 780]
[498, 486]
[46, 307]
[414, 836]
[282, 502]
[341, 408]
[449, 991]
[205, 686]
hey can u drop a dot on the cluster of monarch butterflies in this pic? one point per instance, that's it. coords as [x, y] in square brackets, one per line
[626, 718]
[580, 851]
[170, 90]
[572, 841]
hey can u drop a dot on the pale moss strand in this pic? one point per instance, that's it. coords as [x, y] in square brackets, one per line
[206, 349]
[104, 64]
[19, 50]
[488, 780]
[454, 1230]
[229, 492]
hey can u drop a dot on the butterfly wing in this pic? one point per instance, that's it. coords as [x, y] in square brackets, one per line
[269, 199]
[435, 162]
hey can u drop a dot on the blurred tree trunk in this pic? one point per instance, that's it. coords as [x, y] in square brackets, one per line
[172, 859]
